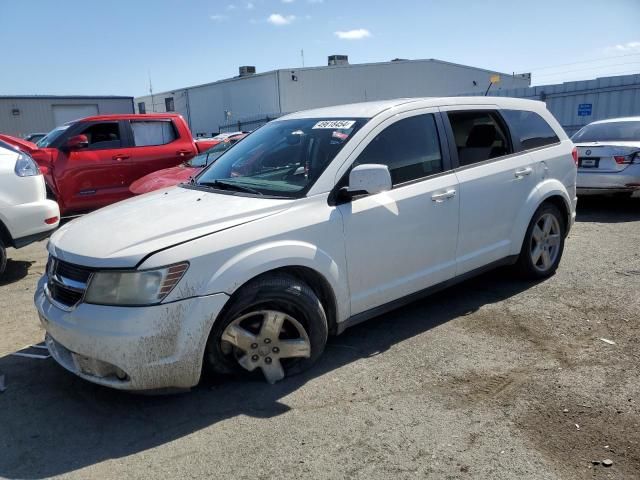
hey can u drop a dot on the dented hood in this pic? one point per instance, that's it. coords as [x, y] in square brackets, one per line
[121, 235]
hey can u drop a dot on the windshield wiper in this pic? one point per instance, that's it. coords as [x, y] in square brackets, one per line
[230, 186]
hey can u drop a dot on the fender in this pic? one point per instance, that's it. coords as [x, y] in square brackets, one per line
[260, 259]
[545, 189]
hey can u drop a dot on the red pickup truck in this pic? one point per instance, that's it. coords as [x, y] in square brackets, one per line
[90, 163]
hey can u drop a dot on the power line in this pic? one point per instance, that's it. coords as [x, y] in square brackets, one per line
[587, 69]
[577, 63]
[578, 79]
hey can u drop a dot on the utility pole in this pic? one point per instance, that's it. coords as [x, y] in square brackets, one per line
[153, 103]
[302, 55]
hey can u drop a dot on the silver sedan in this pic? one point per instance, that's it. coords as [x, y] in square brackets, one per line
[609, 157]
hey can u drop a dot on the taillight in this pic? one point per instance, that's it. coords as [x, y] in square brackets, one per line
[51, 221]
[623, 159]
[574, 154]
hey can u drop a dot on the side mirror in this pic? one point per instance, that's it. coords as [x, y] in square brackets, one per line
[370, 178]
[77, 142]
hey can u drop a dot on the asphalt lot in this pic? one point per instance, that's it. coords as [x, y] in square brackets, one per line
[494, 378]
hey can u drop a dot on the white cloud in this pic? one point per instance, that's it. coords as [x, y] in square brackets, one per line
[218, 18]
[356, 34]
[279, 20]
[316, 1]
[249, 6]
[288, 1]
[629, 47]
[231, 7]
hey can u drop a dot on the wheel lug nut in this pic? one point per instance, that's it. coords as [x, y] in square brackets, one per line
[254, 358]
[276, 350]
[267, 340]
[254, 345]
[267, 360]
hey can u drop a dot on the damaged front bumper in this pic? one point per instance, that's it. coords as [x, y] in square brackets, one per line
[131, 348]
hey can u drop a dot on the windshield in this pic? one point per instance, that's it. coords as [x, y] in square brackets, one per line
[609, 131]
[284, 158]
[50, 137]
[212, 154]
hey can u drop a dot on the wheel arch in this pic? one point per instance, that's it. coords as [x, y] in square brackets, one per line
[550, 191]
[5, 235]
[302, 260]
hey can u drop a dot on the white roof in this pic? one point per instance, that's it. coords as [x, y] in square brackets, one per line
[619, 119]
[371, 109]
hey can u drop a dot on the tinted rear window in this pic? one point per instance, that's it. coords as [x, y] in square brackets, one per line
[606, 132]
[530, 129]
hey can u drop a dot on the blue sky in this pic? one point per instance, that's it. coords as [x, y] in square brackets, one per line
[87, 47]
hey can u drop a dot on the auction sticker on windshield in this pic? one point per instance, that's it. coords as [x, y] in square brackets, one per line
[335, 124]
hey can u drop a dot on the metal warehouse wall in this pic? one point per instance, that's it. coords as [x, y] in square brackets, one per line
[324, 86]
[20, 116]
[245, 98]
[253, 98]
[204, 106]
[157, 104]
[608, 97]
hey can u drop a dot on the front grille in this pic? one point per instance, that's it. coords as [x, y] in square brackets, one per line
[64, 295]
[67, 282]
[73, 272]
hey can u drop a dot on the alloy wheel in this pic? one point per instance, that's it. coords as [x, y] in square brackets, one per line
[545, 242]
[264, 339]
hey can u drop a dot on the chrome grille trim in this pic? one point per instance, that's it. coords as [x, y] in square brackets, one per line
[66, 283]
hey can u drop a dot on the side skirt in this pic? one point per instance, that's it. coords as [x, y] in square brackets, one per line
[412, 297]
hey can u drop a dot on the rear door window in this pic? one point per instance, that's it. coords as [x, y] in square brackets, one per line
[148, 133]
[410, 148]
[530, 129]
[479, 135]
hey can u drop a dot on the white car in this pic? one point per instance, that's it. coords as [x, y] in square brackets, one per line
[313, 223]
[609, 157]
[25, 213]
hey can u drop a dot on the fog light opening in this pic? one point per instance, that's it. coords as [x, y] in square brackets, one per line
[121, 374]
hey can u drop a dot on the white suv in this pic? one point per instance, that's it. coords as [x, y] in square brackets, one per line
[313, 223]
[25, 213]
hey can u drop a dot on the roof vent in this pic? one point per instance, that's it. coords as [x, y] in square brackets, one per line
[338, 60]
[247, 70]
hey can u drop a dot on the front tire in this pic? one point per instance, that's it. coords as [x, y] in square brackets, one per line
[3, 258]
[543, 243]
[275, 324]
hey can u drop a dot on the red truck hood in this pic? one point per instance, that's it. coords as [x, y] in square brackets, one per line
[42, 156]
[22, 144]
[163, 179]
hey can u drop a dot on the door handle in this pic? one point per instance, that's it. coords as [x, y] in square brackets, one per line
[120, 157]
[441, 197]
[523, 172]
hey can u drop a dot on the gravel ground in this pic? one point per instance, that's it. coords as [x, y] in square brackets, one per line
[493, 378]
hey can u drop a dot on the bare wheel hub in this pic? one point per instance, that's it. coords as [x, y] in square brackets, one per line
[257, 343]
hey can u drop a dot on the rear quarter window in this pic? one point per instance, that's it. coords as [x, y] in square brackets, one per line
[530, 129]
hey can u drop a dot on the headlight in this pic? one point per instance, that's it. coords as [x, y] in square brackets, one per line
[145, 287]
[26, 166]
